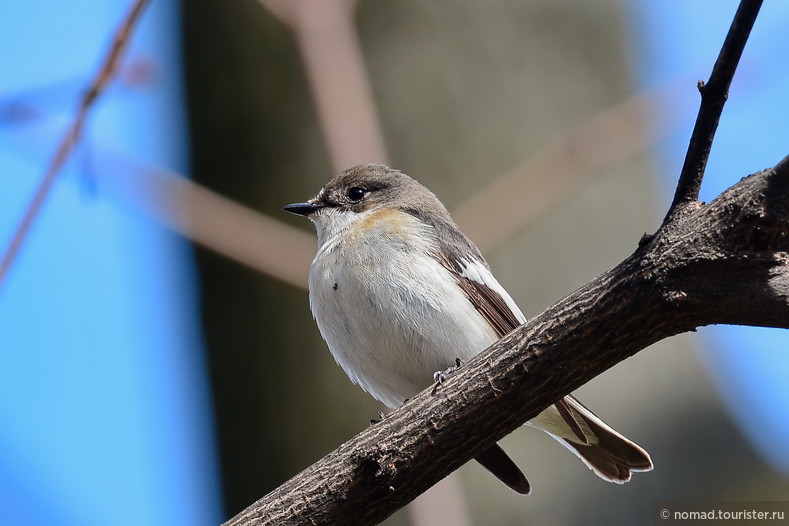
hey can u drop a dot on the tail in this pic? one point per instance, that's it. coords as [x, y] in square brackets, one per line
[609, 454]
[497, 462]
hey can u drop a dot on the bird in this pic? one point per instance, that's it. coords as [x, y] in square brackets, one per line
[400, 294]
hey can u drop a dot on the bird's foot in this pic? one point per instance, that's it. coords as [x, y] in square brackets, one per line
[439, 377]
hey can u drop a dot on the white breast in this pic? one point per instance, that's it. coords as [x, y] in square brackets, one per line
[390, 313]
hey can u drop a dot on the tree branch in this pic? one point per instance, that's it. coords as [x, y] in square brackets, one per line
[726, 262]
[713, 97]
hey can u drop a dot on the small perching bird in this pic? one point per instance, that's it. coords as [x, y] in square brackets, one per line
[400, 293]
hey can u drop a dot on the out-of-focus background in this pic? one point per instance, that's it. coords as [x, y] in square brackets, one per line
[148, 380]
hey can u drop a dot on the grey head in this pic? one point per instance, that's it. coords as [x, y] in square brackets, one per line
[369, 187]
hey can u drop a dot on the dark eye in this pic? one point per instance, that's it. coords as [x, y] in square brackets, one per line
[356, 193]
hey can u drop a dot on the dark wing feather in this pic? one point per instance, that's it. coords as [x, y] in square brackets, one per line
[455, 252]
[487, 301]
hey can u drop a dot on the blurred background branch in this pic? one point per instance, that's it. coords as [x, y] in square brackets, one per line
[73, 134]
[533, 188]
[341, 92]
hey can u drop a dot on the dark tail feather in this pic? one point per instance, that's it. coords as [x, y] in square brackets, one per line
[606, 465]
[611, 455]
[497, 462]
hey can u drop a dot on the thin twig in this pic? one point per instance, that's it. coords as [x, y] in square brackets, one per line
[713, 97]
[73, 134]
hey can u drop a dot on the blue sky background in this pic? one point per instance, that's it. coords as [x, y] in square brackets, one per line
[104, 411]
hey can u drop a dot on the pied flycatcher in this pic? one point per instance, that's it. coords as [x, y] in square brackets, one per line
[399, 293]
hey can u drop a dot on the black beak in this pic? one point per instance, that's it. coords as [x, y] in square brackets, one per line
[302, 209]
